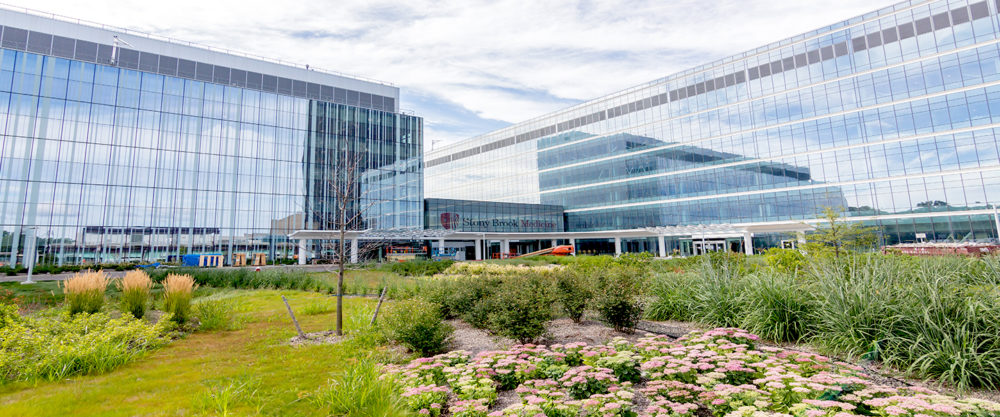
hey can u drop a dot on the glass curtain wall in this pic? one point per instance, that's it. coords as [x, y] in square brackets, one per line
[892, 117]
[104, 164]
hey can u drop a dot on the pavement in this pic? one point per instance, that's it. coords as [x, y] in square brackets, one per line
[118, 274]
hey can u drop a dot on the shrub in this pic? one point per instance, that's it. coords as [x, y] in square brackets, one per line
[177, 293]
[618, 296]
[85, 291]
[417, 325]
[135, 287]
[521, 308]
[573, 293]
[360, 391]
[784, 260]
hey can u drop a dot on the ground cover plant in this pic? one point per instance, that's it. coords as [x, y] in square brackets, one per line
[722, 372]
[931, 317]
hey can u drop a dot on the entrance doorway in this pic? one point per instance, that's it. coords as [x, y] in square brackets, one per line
[702, 247]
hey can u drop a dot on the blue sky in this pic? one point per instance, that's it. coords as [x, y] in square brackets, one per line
[469, 66]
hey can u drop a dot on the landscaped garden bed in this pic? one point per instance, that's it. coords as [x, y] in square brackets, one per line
[720, 372]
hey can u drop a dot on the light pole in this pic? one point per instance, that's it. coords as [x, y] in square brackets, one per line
[30, 259]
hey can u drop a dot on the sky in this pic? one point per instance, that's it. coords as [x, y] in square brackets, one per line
[469, 67]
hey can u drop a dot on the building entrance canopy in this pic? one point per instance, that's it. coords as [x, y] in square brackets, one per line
[699, 231]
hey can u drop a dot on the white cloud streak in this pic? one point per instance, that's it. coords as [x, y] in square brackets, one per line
[493, 62]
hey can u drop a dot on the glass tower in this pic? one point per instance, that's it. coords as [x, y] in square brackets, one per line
[888, 117]
[114, 153]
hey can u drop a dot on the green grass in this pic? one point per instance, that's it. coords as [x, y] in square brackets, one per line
[208, 371]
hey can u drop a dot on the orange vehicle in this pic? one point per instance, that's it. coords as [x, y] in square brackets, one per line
[562, 250]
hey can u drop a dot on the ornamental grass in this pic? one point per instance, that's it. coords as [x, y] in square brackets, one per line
[177, 293]
[85, 291]
[135, 287]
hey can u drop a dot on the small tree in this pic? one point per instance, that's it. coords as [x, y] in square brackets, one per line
[342, 204]
[840, 234]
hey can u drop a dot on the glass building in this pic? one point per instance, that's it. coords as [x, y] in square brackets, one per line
[491, 216]
[112, 152]
[888, 116]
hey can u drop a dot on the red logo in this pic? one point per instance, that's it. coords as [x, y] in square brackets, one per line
[449, 220]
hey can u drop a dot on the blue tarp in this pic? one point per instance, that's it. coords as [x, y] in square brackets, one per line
[192, 260]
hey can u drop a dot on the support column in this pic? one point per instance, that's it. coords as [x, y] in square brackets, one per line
[303, 251]
[572, 242]
[553, 243]
[504, 247]
[747, 243]
[440, 246]
[479, 249]
[618, 246]
[354, 250]
[801, 237]
[661, 244]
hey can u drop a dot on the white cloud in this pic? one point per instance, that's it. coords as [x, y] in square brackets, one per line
[506, 60]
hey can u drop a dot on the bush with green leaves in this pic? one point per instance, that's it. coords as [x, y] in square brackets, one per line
[618, 298]
[418, 267]
[416, 324]
[521, 307]
[573, 293]
[8, 315]
[779, 307]
[784, 260]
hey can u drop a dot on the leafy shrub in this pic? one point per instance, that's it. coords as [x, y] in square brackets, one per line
[618, 299]
[177, 293]
[55, 347]
[457, 296]
[85, 291]
[417, 325]
[217, 314]
[573, 294]
[784, 260]
[521, 308]
[360, 391]
[135, 287]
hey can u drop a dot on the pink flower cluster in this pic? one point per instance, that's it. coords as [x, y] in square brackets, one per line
[722, 372]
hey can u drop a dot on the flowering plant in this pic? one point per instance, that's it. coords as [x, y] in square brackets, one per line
[426, 399]
[584, 381]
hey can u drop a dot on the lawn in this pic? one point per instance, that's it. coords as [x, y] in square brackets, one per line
[251, 371]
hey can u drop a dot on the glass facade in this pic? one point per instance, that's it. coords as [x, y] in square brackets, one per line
[490, 216]
[892, 116]
[104, 163]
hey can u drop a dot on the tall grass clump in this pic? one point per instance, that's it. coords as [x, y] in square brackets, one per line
[671, 296]
[360, 391]
[135, 287]
[85, 291]
[177, 293]
[778, 306]
[716, 298]
[217, 314]
[858, 304]
[948, 332]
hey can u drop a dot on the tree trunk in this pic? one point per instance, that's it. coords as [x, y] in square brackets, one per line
[340, 285]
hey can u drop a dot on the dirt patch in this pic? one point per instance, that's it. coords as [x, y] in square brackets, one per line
[317, 338]
[588, 331]
[475, 340]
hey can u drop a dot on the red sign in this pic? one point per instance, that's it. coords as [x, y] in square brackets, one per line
[450, 220]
